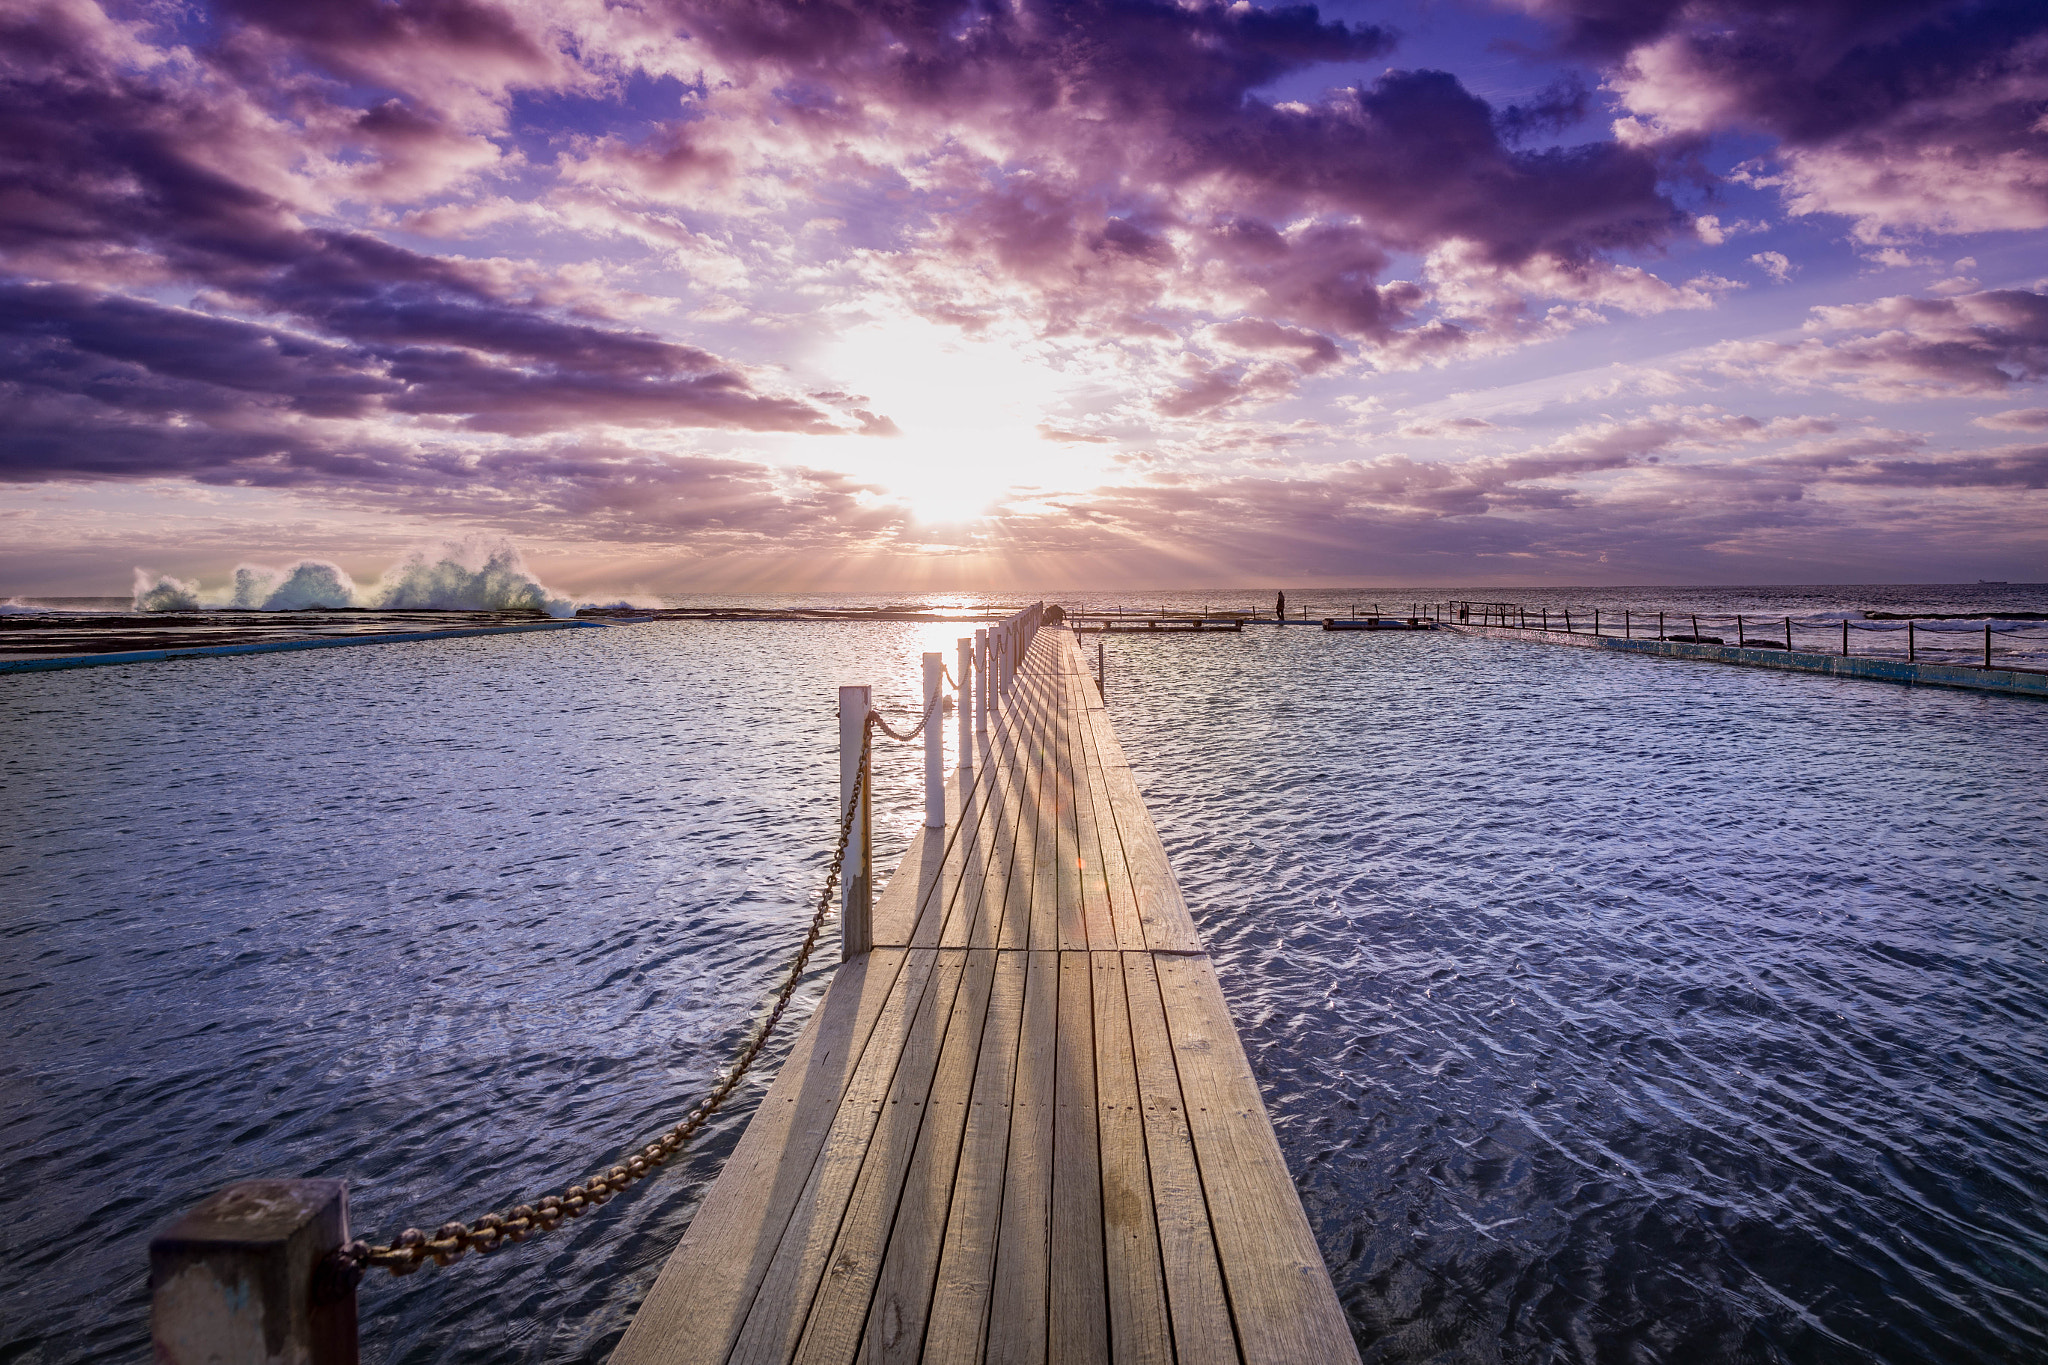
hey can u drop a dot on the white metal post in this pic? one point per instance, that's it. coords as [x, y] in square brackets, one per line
[856, 901]
[934, 743]
[981, 683]
[963, 699]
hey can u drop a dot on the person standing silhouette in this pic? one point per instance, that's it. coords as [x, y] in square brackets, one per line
[1279, 606]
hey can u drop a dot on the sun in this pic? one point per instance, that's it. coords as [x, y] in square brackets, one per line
[967, 414]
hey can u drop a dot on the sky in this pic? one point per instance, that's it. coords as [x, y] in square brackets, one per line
[775, 295]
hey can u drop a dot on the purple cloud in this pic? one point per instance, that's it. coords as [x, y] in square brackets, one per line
[1915, 114]
[1907, 347]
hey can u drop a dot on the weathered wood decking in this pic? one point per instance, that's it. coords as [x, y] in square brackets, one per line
[1022, 1128]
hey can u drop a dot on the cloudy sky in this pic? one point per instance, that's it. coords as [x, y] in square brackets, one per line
[931, 293]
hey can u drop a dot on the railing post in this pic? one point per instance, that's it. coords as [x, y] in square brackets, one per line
[244, 1279]
[1102, 670]
[856, 896]
[964, 703]
[982, 700]
[934, 742]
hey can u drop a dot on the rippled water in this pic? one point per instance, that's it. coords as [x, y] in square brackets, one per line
[1609, 1008]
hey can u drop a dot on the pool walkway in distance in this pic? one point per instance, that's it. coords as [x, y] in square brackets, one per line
[45, 663]
[1021, 1128]
[2010, 680]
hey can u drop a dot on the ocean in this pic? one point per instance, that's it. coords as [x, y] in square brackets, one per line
[1607, 1007]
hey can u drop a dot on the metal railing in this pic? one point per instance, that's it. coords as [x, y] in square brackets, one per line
[264, 1270]
[1829, 634]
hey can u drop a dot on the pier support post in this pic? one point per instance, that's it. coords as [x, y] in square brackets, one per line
[934, 742]
[243, 1279]
[963, 698]
[981, 697]
[856, 885]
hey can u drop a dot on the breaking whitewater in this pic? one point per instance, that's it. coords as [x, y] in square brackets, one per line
[454, 576]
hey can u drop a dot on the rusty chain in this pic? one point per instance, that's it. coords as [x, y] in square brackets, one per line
[876, 721]
[413, 1248]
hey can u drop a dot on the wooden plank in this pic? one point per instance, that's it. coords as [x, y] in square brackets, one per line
[1045, 870]
[1078, 1333]
[1072, 908]
[899, 904]
[1017, 1306]
[694, 1311]
[1127, 927]
[958, 1311]
[1161, 910]
[1202, 1331]
[1138, 1330]
[1280, 1293]
[1096, 907]
[878, 1281]
[1021, 885]
[922, 894]
[982, 907]
[778, 1311]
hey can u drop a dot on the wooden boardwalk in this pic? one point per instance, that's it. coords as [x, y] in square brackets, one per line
[1022, 1128]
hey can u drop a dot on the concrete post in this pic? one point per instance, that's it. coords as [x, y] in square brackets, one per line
[934, 743]
[243, 1279]
[856, 896]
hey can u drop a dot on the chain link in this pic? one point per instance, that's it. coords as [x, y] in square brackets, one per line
[413, 1248]
[876, 720]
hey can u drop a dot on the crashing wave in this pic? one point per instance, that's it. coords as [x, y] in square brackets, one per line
[307, 584]
[165, 593]
[470, 575]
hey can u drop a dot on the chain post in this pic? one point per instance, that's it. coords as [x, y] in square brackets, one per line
[248, 1277]
[934, 743]
[963, 703]
[981, 697]
[856, 884]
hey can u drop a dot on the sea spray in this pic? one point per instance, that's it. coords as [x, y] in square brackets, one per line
[477, 574]
[307, 584]
[165, 593]
[470, 575]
